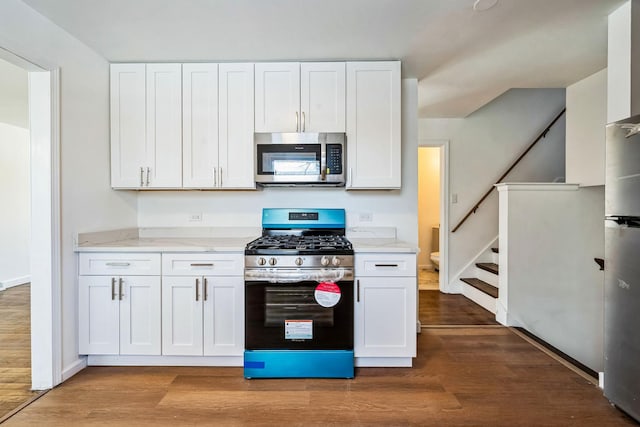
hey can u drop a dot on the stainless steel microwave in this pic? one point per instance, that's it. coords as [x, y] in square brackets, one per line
[292, 159]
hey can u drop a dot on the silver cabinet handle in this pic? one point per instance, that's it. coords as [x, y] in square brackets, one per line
[297, 122]
[204, 288]
[205, 264]
[215, 177]
[197, 285]
[349, 181]
[118, 264]
[113, 289]
[357, 290]
[141, 176]
[387, 265]
[148, 171]
[220, 176]
[120, 289]
[304, 122]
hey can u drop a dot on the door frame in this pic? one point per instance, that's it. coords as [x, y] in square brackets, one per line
[443, 144]
[45, 257]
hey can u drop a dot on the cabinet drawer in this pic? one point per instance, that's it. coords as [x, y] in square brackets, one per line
[120, 264]
[203, 264]
[385, 264]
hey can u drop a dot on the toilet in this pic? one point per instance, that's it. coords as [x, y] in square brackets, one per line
[435, 260]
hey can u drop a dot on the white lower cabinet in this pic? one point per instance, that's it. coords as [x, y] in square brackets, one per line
[119, 315]
[385, 309]
[202, 314]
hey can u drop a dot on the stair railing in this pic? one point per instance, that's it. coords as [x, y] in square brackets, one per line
[543, 134]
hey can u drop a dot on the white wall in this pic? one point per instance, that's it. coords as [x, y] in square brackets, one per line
[548, 240]
[14, 108]
[482, 146]
[15, 214]
[397, 208]
[87, 202]
[586, 121]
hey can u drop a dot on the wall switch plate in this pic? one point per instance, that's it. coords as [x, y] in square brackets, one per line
[195, 217]
[366, 217]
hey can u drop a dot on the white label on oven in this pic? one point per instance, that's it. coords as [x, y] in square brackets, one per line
[298, 329]
[327, 294]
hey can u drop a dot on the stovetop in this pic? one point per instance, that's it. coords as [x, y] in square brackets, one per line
[284, 244]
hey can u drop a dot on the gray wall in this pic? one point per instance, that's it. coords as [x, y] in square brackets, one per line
[482, 146]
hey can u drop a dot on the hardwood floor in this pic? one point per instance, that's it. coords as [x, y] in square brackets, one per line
[448, 309]
[15, 348]
[462, 377]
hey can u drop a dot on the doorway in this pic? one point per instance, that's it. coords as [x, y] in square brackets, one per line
[429, 218]
[44, 247]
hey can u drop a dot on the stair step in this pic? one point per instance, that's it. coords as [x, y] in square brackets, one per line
[488, 266]
[483, 286]
[495, 250]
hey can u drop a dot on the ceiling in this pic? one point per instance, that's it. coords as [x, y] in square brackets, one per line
[462, 58]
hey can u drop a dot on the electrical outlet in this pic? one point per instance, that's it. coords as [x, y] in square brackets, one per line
[195, 217]
[366, 217]
[454, 198]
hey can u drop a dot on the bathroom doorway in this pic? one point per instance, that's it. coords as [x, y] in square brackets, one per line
[429, 200]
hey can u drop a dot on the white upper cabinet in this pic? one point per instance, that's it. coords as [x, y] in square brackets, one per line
[164, 125]
[300, 97]
[200, 125]
[128, 135]
[322, 96]
[236, 107]
[373, 125]
[146, 123]
[277, 97]
[217, 126]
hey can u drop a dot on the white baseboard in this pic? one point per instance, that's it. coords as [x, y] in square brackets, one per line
[383, 362]
[74, 368]
[601, 380]
[10, 283]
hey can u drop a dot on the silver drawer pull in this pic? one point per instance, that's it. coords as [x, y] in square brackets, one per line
[387, 265]
[118, 264]
[202, 264]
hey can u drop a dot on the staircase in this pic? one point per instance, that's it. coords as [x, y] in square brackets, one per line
[483, 289]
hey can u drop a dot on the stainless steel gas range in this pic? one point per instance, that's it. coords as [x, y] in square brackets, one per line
[299, 296]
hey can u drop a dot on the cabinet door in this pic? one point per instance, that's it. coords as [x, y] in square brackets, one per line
[181, 316]
[224, 316]
[164, 126]
[277, 97]
[237, 158]
[140, 315]
[128, 135]
[200, 125]
[385, 317]
[322, 96]
[373, 125]
[98, 315]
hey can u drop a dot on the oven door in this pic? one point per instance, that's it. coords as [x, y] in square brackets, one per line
[290, 316]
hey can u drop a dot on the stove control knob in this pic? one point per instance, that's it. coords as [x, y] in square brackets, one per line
[273, 261]
[324, 261]
[335, 261]
[298, 261]
[262, 261]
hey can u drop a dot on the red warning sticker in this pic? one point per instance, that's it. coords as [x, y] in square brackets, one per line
[327, 294]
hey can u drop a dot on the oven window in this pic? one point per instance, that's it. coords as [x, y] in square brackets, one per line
[294, 304]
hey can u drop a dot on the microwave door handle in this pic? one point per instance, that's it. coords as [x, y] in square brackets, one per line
[323, 164]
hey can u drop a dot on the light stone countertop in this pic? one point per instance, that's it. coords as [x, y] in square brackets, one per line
[208, 240]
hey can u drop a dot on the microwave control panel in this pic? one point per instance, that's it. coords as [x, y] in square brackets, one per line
[334, 159]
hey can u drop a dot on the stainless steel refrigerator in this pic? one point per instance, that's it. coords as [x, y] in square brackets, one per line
[622, 266]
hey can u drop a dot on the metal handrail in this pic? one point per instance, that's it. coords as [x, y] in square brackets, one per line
[543, 134]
